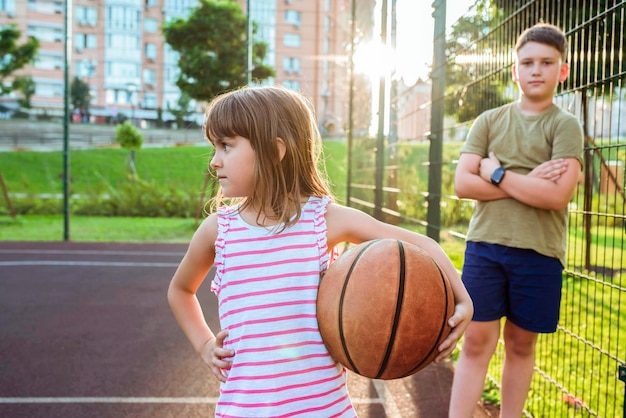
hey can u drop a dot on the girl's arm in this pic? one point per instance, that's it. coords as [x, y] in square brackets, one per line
[354, 226]
[184, 303]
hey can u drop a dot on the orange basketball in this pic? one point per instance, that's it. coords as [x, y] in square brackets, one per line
[383, 308]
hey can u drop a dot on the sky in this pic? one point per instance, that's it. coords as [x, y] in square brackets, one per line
[415, 26]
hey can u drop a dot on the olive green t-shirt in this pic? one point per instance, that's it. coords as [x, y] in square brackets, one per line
[521, 143]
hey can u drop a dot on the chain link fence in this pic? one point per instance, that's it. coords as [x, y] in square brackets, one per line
[407, 178]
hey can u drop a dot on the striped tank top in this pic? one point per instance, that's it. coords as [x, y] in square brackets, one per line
[266, 284]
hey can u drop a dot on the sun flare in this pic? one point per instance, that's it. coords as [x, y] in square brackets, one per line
[374, 60]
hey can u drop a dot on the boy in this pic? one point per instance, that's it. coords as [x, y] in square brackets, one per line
[521, 163]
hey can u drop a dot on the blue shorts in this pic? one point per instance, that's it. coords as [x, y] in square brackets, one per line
[520, 284]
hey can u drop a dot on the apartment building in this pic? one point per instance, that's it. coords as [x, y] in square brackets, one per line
[308, 43]
[118, 50]
[414, 110]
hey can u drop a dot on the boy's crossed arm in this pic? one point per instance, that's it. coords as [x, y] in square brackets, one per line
[548, 186]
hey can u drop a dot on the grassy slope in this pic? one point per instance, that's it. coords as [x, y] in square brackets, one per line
[41, 172]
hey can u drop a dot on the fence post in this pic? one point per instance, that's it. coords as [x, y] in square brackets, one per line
[436, 120]
[622, 377]
[380, 139]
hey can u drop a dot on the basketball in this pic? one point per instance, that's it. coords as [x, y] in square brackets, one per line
[383, 308]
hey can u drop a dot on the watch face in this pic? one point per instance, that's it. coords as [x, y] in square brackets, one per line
[497, 175]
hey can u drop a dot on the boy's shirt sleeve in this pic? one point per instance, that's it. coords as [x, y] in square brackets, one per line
[569, 140]
[477, 137]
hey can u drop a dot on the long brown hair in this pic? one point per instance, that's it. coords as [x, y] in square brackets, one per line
[262, 115]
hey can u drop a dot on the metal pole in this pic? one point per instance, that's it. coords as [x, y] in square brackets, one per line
[66, 121]
[351, 101]
[436, 120]
[380, 141]
[392, 159]
[248, 44]
[622, 377]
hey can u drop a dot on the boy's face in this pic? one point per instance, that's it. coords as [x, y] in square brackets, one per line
[538, 70]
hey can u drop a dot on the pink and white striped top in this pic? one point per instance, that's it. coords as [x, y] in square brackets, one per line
[266, 284]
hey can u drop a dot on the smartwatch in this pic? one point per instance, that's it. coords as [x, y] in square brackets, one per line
[497, 176]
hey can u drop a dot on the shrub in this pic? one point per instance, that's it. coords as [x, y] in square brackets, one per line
[132, 199]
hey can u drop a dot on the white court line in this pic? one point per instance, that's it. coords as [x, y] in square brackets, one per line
[157, 400]
[84, 263]
[391, 409]
[96, 252]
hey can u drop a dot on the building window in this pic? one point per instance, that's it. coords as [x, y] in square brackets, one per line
[48, 88]
[46, 33]
[150, 25]
[171, 74]
[292, 40]
[123, 42]
[86, 68]
[150, 51]
[122, 70]
[149, 101]
[93, 95]
[84, 41]
[291, 65]
[293, 17]
[50, 7]
[149, 77]
[292, 85]
[123, 17]
[49, 61]
[8, 6]
[91, 41]
[86, 16]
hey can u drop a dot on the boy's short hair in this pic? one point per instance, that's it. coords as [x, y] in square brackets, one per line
[544, 33]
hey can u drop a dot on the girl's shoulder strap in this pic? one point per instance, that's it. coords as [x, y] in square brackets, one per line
[320, 203]
[319, 206]
[225, 216]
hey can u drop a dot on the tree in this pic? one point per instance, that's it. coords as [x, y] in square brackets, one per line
[468, 90]
[594, 58]
[13, 56]
[596, 38]
[182, 110]
[129, 137]
[212, 49]
[26, 86]
[80, 96]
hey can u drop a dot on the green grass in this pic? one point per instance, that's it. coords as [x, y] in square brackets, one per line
[42, 172]
[102, 229]
[93, 170]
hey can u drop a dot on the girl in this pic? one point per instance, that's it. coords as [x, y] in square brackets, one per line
[269, 248]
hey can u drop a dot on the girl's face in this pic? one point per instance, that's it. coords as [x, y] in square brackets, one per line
[234, 163]
[538, 70]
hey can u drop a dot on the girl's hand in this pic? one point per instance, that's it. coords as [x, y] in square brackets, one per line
[213, 355]
[461, 319]
[550, 170]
